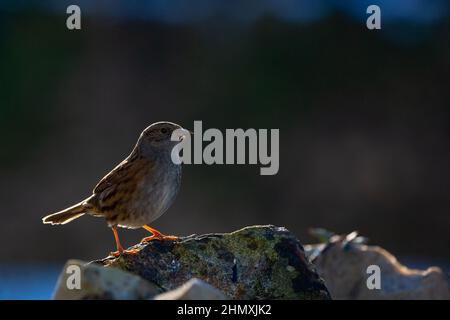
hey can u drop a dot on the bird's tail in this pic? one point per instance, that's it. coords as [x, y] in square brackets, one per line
[66, 215]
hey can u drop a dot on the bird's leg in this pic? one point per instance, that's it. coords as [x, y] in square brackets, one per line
[120, 249]
[118, 245]
[156, 235]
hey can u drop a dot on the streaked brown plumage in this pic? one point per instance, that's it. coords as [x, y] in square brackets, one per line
[138, 190]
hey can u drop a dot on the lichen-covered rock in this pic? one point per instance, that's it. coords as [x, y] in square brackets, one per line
[82, 281]
[258, 262]
[194, 289]
[343, 263]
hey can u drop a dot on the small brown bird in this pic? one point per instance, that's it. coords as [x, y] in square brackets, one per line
[136, 192]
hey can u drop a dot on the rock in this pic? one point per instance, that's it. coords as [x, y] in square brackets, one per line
[258, 262]
[343, 263]
[79, 281]
[194, 289]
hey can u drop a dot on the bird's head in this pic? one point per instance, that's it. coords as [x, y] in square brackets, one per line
[157, 138]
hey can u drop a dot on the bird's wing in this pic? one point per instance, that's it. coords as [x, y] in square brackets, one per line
[115, 177]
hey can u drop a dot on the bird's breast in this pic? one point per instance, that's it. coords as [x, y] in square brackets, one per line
[155, 192]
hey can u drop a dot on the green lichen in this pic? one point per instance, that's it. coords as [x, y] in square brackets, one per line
[259, 262]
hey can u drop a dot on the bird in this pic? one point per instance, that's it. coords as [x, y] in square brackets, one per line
[138, 190]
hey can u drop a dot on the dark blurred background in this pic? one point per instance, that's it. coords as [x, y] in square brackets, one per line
[363, 117]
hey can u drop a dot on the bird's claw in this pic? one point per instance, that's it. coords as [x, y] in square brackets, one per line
[159, 237]
[130, 252]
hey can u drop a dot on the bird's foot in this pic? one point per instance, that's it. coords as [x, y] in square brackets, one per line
[159, 237]
[130, 252]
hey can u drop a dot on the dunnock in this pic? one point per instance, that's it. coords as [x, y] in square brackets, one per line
[136, 192]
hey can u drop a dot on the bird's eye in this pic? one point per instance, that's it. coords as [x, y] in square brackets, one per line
[164, 130]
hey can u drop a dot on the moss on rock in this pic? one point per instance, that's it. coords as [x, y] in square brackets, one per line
[258, 262]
